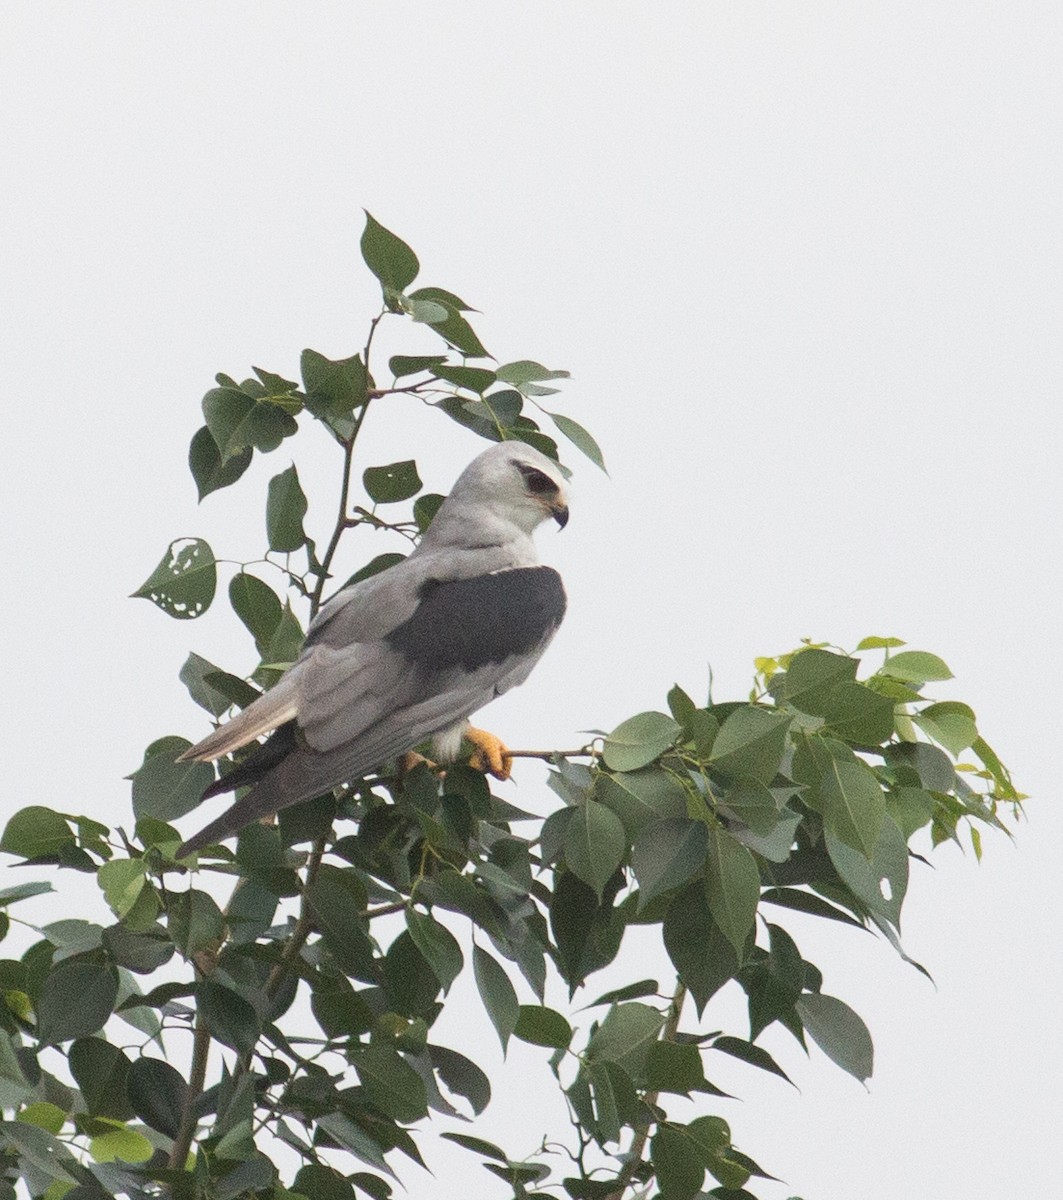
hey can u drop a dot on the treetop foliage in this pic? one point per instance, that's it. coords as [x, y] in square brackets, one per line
[194, 1047]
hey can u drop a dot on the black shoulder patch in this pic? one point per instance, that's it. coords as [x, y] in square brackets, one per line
[469, 623]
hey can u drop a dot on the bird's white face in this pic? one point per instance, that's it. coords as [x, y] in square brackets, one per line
[517, 483]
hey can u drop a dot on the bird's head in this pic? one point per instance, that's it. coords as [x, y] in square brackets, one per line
[516, 484]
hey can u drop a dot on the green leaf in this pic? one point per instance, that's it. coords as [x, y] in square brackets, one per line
[455, 330]
[390, 1082]
[316, 1182]
[43, 1150]
[666, 854]
[461, 1076]
[285, 508]
[639, 740]
[527, 371]
[167, 789]
[703, 957]
[258, 607]
[338, 899]
[920, 765]
[100, 1070]
[880, 883]
[676, 1164]
[438, 945]
[121, 1144]
[807, 902]
[472, 379]
[674, 1067]
[750, 744]
[733, 887]
[389, 258]
[950, 724]
[228, 1016]
[194, 922]
[640, 797]
[838, 1032]
[626, 1037]
[749, 1052]
[35, 832]
[498, 994]
[631, 991]
[879, 643]
[594, 844]
[194, 676]
[334, 387]
[44, 1115]
[401, 365]
[397, 481]
[541, 1026]
[911, 808]
[183, 583]
[122, 880]
[477, 1146]
[853, 804]
[580, 438]
[205, 463]
[23, 891]
[915, 666]
[75, 1001]
[237, 422]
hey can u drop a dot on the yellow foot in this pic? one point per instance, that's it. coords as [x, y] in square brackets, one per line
[491, 755]
[412, 759]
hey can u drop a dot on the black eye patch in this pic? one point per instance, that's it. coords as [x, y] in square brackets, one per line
[536, 481]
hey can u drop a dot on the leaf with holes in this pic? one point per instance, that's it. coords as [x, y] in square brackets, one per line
[183, 583]
[397, 481]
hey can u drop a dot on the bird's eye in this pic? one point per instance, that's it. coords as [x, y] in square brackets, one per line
[536, 481]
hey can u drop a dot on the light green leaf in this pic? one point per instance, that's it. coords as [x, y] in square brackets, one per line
[580, 438]
[915, 666]
[120, 1144]
[950, 724]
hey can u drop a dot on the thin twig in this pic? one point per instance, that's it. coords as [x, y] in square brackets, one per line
[196, 1079]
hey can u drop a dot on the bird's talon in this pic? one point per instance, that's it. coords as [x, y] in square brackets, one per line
[491, 755]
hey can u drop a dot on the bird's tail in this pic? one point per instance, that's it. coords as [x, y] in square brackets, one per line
[265, 714]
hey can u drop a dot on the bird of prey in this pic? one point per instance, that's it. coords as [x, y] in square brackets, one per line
[408, 654]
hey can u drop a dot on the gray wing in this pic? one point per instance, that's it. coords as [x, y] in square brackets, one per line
[465, 642]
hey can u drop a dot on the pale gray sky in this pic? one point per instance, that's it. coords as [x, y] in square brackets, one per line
[804, 263]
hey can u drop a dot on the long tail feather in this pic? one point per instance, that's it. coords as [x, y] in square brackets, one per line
[266, 714]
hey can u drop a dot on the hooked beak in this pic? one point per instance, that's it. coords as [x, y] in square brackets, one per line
[560, 514]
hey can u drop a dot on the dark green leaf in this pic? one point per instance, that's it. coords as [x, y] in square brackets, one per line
[227, 1015]
[258, 607]
[238, 423]
[911, 808]
[388, 256]
[594, 844]
[375, 566]
[194, 922]
[455, 330]
[750, 1053]
[733, 887]
[461, 1076]
[853, 804]
[338, 901]
[625, 1037]
[673, 1067]
[406, 364]
[641, 797]
[702, 956]
[473, 379]
[35, 832]
[316, 1182]
[100, 1070]
[477, 1146]
[838, 1032]
[920, 765]
[167, 789]
[183, 583]
[285, 508]
[880, 883]
[205, 463]
[232, 688]
[425, 508]
[23, 891]
[75, 1001]
[667, 853]
[158, 1094]
[632, 991]
[498, 995]
[639, 740]
[750, 744]
[193, 676]
[142, 953]
[397, 481]
[334, 387]
[677, 1165]
[541, 1026]
[390, 1082]
[438, 945]
[806, 902]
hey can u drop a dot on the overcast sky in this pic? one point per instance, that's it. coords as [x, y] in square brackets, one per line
[804, 263]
